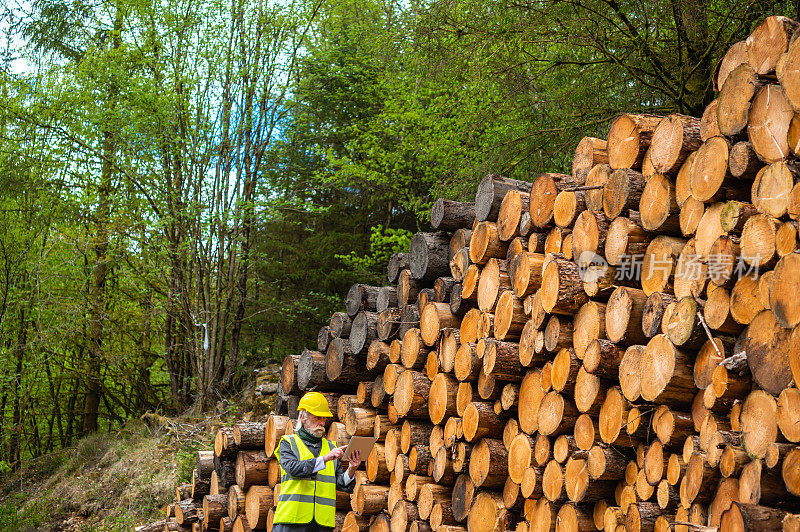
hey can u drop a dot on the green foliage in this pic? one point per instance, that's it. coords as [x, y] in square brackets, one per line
[383, 243]
[187, 461]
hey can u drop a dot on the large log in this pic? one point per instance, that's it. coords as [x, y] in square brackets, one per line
[489, 514]
[768, 123]
[759, 423]
[490, 193]
[562, 287]
[462, 497]
[340, 325]
[411, 394]
[666, 373]
[449, 215]
[311, 372]
[435, 317]
[622, 192]
[480, 420]
[429, 256]
[734, 56]
[485, 244]
[363, 331]
[589, 153]
[543, 196]
[397, 263]
[493, 282]
[767, 346]
[249, 435]
[387, 298]
[710, 169]
[629, 138]
[751, 517]
[258, 502]
[734, 100]
[768, 42]
[510, 215]
[675, 137]
[252, 468]
[361, 297]
[442, 398]
[408, 288]
[488, 463]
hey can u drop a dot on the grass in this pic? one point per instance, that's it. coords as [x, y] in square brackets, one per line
[106, 483]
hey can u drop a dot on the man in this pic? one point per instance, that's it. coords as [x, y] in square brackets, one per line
[310, 472]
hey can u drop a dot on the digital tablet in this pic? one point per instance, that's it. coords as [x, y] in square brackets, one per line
[360, 443]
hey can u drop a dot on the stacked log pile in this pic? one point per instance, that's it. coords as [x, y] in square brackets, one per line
[613, 349]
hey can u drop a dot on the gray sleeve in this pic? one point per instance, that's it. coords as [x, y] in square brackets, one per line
[340, 485]
[292, 465]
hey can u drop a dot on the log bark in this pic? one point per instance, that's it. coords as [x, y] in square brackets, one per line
[675, 137]
[411, 394]
[629, 138]
[387, 298]
[589, 153]
[397, 263]
[490, 193]
[562, 289]
[429, 256]
[511, 208]
[488, 464]
[258, 502]
[768, 348]
[543, 197]
[485, 244]
[626, 240]
[361, 297]
[622, 192]
[449, 215]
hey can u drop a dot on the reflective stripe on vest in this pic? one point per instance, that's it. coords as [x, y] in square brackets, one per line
[302, 500]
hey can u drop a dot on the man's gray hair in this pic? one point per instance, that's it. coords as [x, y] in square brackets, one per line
[302, 415]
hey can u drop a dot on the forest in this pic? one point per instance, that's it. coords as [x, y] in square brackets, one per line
[189, 187]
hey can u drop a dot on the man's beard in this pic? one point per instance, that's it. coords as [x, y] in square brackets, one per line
[319, 432]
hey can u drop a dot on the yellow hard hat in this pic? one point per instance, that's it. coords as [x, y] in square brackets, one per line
[315, 403]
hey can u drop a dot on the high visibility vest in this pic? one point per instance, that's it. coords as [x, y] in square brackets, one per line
[302, 500]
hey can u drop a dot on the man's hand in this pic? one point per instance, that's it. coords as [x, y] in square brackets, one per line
[334, 454]
[355, 461]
